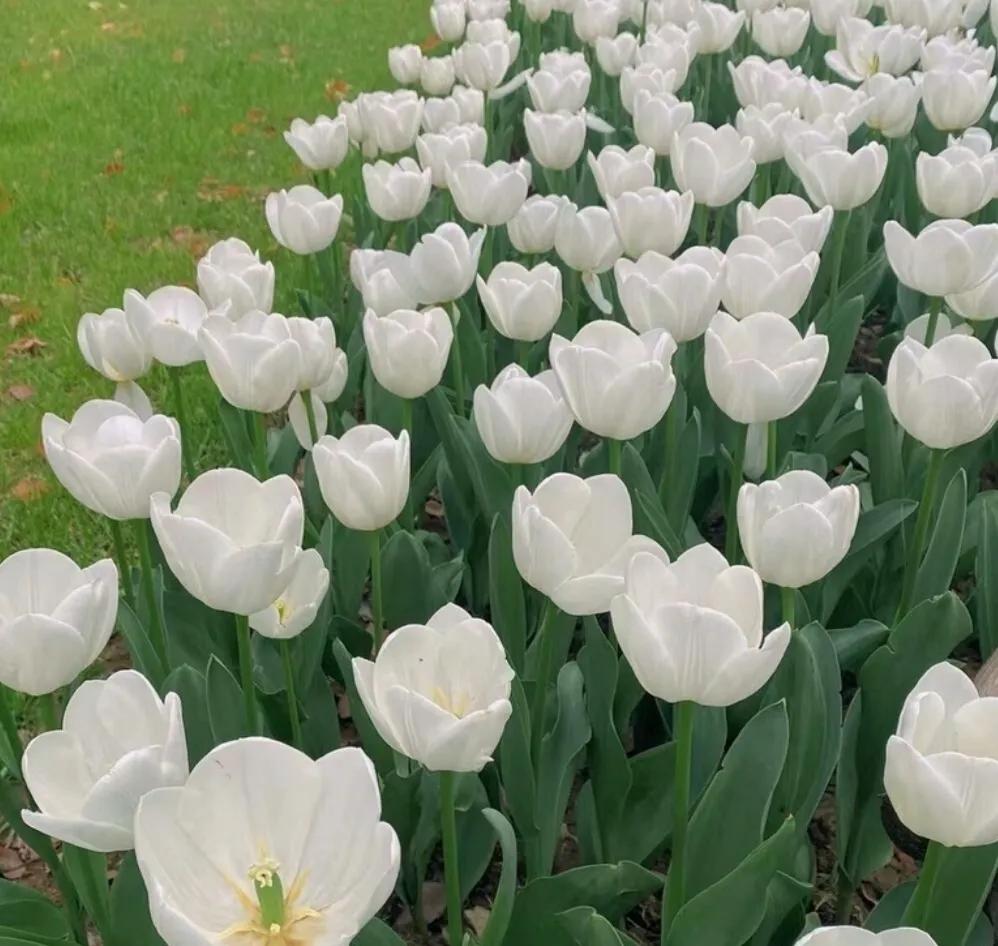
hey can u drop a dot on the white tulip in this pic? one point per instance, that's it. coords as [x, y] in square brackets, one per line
[482, 66]
[489, 195]
[692, 629]
[444, 263]
[759, 82]
[559, 91]
[299, 603]
[55, 618]
[404, 63]
[573, 540]
[449, 20]
[658, 117]
[321, 145]
[646, 77]
[172, 316]
[828, 14]
[857, 936]
[956, 182]
[556, 139]
[838, 179]
[850, 106]
[407, 349]
[651, 219]
[786, 217]
[715, 163]
[947, 257]
[264, 844]
[718, 25]
[118, 742]
[397, 191]
[954, 52]
[479, 10]
[440, 151]
[941, 770]
[585, 239]
[523, 304]
[538, 11]
[363, 475]
[863, 50]
[934, 16]
[532, 229]
[390, 119]
[895, 103]
[613, 53]
[231, 272]
[980, 303]
[437, 75]
[111, 460]
[321, 360]
[617, 171]
[759, 277]
[780, 31]
[116, 342]
[134, 398]
[945, 395]
[955, 100]
[765, 128]
[303, 219]
[592, 19]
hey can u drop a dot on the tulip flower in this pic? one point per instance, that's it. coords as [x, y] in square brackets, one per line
[489, 195]
[766, 128]
[918, 328]
[614, 53]
[321, 145]
[397, 191]
[532, 228]
[231, 272]
[482, 66]
[116, 343]
[979, 304]
[780, 31]
[669, 48]
[384, 278]
[718, 27]
[955, 100]
[646, 77]
[323, 365]
[404, 63]
[587, 242]
[838, 179]
[863, 50]
[840, 102]
[448, 20]
[715, 163]
[796, 529]
[760, 369]
[444, 263]
[658, 116]
[786, 217]
[440, 151]
[390, 120]
[947, 257]
[55, 620]
[493, 28]
[957, 53]
[592, 19]
[759, 82]
[306, 858]
[957, 182]
[572, 540]
[308, 417]
[763, 278]
[857, 936]
[617, 171]
[563, 90]
[303, 219]
[617, 383]
[556, 139]
[692, 630]
[437, 75]
[118, 742]
[111, 460]
[408, 349]
[463, 106]
[522, 420]
[934, 16]
[254, 361]
[651, 219]
[895, 104]
[523, 304]
[171, 317]
[538, 11]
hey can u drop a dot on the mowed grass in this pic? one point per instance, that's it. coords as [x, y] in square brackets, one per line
[134, 134]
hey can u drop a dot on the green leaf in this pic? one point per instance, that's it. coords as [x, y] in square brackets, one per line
[650, 520]
[140, 647]
[502, 904]
[130, 920]
[883, 444]
[236, 435]
[939, 564]
[349, 567]
[225, 703]
[408, 581]
[190, 686]
[986, 574]
[27, 916]
[610, 889]
[377, 933]
[679, 494]
[515, 766]
[588, 928]
[840, 325]
[374, 745]
[508, 611]
[965, 879]
[854, 644]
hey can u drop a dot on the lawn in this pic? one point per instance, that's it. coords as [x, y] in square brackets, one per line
[135, 135]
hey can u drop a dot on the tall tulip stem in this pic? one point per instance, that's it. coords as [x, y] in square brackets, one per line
[260, 446]
[245, 646]
[121, 557]
[788, 601]
[377, 620]
[545, 644]
[9, 725]
[935, 307]
[156, 630]
[921, 532]
[452, 877]
[771, 437]
[675, 890]
[180, 408]
[731, 514]
[838, 252]
[48, 706]
[613, 448]
[313, 427]
[408, 519]
[457, 363]
[289, 689]
[914, 914]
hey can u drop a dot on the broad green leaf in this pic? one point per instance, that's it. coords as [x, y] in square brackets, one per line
[882, 445]
[226, 712]
[502, 904]
[377, 933]
[679, 493]
[936, 572]
[190, 686]
[840, 325]
[508, 611]
[140, 647]
[236, 435]
[962, 886]
[515, 766]
[349, 567]
[28, 916]
[986, 574]
[650, 520]
[130, 920]
[320, 719]
[408, 581]
[854, 644]
[374, 745]
[588, 928]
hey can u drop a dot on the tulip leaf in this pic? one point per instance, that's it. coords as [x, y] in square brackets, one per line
[730, 819]
[236, 435]
[508, 610]
[650, 520]
[140, 648]
[27, 916]
[189, 684]
[196, 631]
[679, 493]
[374, 745]
[321, 721]
[939, 564]
[225, 703]
[729, 911]
[130, 920]
[882, 443]
[588, 928]
[987, 580]
[854, 644]
[502, 905]
[348, 568]
[475, 836]
[610, 889]
[408, 579]
[841, 325]
[842, 439]
[515, 766]
[866, 281]
[377, 933]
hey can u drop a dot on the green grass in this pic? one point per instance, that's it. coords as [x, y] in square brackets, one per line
[134, 135]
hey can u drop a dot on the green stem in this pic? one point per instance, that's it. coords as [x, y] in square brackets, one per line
[844, 894]
[289, 689]
[613, 448]
[838, 252]
[48, 705]
[245, 645]
[771, 437]
[177, 390]
[672, 422]
[260, 446]
[313, 427]
[408, 519]
[703, 221]
[935, 307]
[157, 632]
[522, 354]
[921, 532]
[788, 600]
[377, 621]
[918, 905]
[96, 897]
[121, 557]
[545, 658]
[448, 830]
[675, 890]
[731, 515]
[457, 364]
[9, 724]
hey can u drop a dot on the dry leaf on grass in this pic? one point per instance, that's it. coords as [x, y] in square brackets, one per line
[20, 392]
[29, 489]
[337, 90]
[26, 346]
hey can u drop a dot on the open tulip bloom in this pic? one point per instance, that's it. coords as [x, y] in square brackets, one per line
[616, 477]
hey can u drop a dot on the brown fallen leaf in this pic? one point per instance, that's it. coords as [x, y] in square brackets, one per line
[27, 316]
[183, 109]
[240, 128]
[112, 168]
[287, 53]
[8, 300]
[430, 42]
[26, 346]
[256, 115]
[20, 392]
[29, 489]
[179, 55]
[337, 90]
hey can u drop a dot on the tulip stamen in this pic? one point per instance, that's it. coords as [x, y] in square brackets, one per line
[457, 704]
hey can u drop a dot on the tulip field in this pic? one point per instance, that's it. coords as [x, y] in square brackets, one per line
[567, 515]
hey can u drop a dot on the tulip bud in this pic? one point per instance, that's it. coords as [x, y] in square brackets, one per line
[436, 75]
[523, 304]
[573, 539]
[786, 217]
[302, 219]
[956, 182]
[763, 278]
[521, 419]
[112, 461]
[404, 63]
[651, 219]
[397, 191]
[715, 163]
[680, 296]
[863, 50]
[254, 361]
[441, 151]
[450, 715]
[759, 369]
[617, 171]
[390, 120]
[116, 342]
[408, 349]
[947, 257]
[322, 145]
[532, 229]
[719, 27]
[556, 139]
[658, 117]
[448, 20]
[299, 603]
[120, 741]
[945, 395]
[839, 179]
[614, 53]
[796, 529]
[895, 104]
[780, 31]
[489, 195]
[320, 358]
[618, 384]
[56, 618]
[692, 630]
[941, 765]
[444, 263]
[231, 272]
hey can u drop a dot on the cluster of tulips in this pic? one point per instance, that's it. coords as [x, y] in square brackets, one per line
[615, 282]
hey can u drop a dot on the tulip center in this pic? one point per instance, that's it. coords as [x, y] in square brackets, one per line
[284, 610]
[269, 894]
[457, 704]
